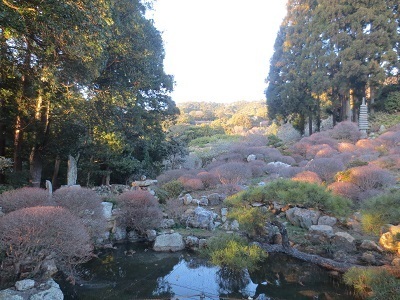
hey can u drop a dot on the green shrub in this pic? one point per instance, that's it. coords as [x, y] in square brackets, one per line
[233, 252]
[374, 284]
[251, 220]
[173, 188]
[392, 102]
[380, 210]
[306, 194]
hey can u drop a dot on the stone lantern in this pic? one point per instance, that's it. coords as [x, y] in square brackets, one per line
[363, 119]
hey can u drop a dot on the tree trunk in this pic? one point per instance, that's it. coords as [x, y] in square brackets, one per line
[56, 170]
[35, 167]
[310, 131]
[18, 138]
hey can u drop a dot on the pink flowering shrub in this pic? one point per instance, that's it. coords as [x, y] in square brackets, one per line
[326, 168]
[370, 177]
[29, 236]
[233, 173]
[345, 189]
[209, 180]
[139, 211]
[346, 131]
[22, 198]
[307, 176]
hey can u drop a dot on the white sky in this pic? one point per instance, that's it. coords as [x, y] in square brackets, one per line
[218, 50]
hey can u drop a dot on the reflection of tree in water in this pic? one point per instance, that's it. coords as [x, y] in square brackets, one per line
[164, 288]
[230, 281]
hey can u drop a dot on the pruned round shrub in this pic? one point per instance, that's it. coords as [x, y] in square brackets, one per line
[193, 184]
[232, 173]
[346, 131]
[209, 180]
[307, 176]
[286, 191]
[140, 211]
[173, 188]
[320, 150]
[85, 204]
[22, 198]
[345, 189]
[390, 162]
[171, 175]
[380, 210]
[31, 235]
[370, 177]
[257, 167]
[326, 168]
[390, 138]
[346, 147]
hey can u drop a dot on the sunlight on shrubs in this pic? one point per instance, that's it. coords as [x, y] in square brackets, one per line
[373, 283]
[233, 252]
[251, 220]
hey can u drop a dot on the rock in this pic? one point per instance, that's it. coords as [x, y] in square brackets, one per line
[327, 220]
[251, 157]
[369, 258]
[344, 241]
[324, 230]
[224, 211]
[119, 233]
[187, 199]
[201, 218]
[1, 212]
[235, 225]
[49, 268]
[263, 297]
[382, 129]
[133, 236]
[192, 242]
[215, 199]
[169, 242]
[389, 240]
[24, 285]
[107, 210]
[151, 235]
[49, 290]
[370, 245]
[203, 201]
[278, 164]
[302, 217]
[167, 223]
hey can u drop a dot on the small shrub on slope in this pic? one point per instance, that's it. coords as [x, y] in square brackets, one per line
[23, 198]
[380, 210]
[173, 188]
[370, 177]
[373, 284]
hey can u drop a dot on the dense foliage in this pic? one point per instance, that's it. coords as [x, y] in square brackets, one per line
[329, 55]
[82, 78]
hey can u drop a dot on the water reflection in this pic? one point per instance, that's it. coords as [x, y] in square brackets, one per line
[148, 274]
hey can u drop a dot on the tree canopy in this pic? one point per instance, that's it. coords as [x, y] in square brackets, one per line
[82, 78]
[331, 54]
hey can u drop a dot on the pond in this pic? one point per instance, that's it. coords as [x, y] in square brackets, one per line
[132, 271]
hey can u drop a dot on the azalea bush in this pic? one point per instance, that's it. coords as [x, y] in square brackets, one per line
[22, 198]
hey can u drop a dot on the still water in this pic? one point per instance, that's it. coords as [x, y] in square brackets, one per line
[135, 272]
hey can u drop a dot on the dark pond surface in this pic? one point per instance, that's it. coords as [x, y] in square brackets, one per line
[134, 272]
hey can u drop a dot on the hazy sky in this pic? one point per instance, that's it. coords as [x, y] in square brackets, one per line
[218, 50]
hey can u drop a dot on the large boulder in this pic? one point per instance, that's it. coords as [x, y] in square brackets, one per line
[169, 242]
[302, 217]
[201, 218]
[389, 240]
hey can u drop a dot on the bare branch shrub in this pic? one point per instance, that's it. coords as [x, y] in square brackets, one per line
[307, 176]
[209, 180]
[289, 172]
[321, 150]
[85, 204]
[257, 167]
[326, 168]
[31, 235]
[233, 173]
[300, 148]
[367, 145]
[371, 177]
[390, 138]
[346, 131]
[140, 211]
[22, 198]
[171, 175]
[193, 184]
[345, 189]
[390, 162]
